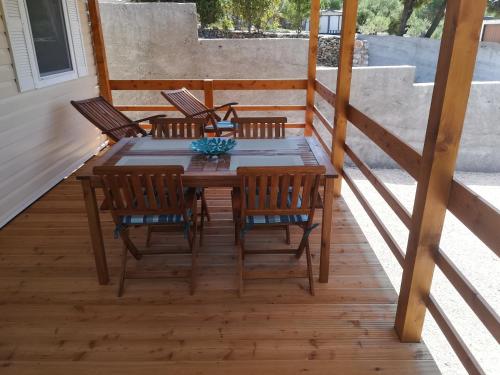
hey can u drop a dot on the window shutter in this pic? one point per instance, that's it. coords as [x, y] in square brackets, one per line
[19, 45]
[76, 36]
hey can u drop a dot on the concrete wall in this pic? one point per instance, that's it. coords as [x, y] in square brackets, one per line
[146, 41]
[423, 53]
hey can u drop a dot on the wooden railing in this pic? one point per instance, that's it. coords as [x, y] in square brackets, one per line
[476, 214]
[209, 86]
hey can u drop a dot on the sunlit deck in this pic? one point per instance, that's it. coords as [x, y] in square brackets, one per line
[56, 319]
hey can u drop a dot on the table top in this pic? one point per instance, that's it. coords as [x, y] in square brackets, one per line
[198, 170]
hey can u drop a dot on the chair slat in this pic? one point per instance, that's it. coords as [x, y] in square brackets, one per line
[260, 127]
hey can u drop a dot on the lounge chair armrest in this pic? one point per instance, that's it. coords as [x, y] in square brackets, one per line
[225, 105]
[149, 118]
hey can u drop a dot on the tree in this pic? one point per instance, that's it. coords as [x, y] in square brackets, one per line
[408, 8]
[331, 4]
[209, 11]
[257, 13]
[378, 16]
[440, 7]
[296, 12]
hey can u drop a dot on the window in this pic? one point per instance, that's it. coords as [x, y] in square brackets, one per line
[48, 28]
[45, 40]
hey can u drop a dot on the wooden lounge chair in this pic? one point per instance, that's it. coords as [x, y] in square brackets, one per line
[191, 107]
[277, 196]
[149, 196]
[259, 127]
[109, 120]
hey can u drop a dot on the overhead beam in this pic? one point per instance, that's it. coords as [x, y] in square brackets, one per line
[101, 60]
[454, 74]
[311, 64]
[343, 92]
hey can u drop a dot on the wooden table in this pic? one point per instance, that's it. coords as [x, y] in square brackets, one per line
[203, 173]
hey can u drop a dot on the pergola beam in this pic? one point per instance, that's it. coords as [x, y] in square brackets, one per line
[311, 65]
[454, 74]
[343, 91]
[101, 60]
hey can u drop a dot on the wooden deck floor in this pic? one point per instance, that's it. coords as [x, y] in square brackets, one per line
[56, 319]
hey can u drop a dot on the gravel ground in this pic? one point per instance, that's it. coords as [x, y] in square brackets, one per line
[479, 264]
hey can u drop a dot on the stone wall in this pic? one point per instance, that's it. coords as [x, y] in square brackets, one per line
[423, 53]
[328, 45]
[160, 41]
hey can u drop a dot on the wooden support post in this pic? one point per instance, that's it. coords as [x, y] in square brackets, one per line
[208, 89]
[454, 73]
[99, 50]
[343, 92]
[311, 65]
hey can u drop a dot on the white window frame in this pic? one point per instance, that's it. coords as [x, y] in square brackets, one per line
[52, 79]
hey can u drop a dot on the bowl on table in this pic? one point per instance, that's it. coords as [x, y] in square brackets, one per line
[213, 147]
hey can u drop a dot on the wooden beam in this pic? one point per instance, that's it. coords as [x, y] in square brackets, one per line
[455, 69]
[402, 153]
[101, 60]
[311, 64]
[461, 350]
[323, 120]
[475, 213]
[241, 107]
[208, 89]
[343, 92]
[325, 93]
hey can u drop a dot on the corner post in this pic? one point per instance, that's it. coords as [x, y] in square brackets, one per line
[343, 91]
[311, 65]
[454, 74]
[99, 50]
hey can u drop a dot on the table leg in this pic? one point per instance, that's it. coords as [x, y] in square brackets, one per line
[95, 232]
[326, 230]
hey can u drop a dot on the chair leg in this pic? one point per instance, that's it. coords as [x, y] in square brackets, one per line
[124, 270]
[130, 245]
[309, 268]
[194, 262]
[202, 224]
[148, 238]
[287, 229]
[241, 266]
[236, 232]
[204, 206]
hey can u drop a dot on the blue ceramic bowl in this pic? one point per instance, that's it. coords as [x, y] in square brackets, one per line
[213, 146]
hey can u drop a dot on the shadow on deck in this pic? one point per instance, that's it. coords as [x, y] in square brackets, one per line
[56, 319]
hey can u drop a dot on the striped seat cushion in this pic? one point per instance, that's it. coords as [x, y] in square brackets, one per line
[222, 125]
[277, 219]
[151, 219]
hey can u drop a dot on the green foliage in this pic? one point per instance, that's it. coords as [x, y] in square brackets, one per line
[261, 14]
[296, 12]
[494, 8]
[209, 11]
[331, 4]
[378, 16]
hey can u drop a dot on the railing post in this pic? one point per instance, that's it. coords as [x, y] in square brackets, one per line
[99, 50]
[343, 92]
[311, 65]
[208, 89]
[454, 73]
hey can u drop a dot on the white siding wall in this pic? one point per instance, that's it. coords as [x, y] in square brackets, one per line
[42, 138]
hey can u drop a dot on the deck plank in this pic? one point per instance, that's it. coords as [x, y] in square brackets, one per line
[55, 318]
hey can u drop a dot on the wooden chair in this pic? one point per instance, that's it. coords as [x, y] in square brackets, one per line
[191, 107]
[277, 196]
[259, 127]
[140, 195]
[180, 128]
[172, 128]
[109, 120]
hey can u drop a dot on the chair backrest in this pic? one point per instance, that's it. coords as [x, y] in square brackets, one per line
[143, 190]
[259, 127]
[107, 118]
[177, 127]
[185, 102]
[280, 190]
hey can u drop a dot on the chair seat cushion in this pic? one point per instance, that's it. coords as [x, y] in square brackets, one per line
[151, 219]
[221, 125]
[277, 219]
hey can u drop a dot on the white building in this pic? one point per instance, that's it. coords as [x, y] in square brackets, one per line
[330, 22]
